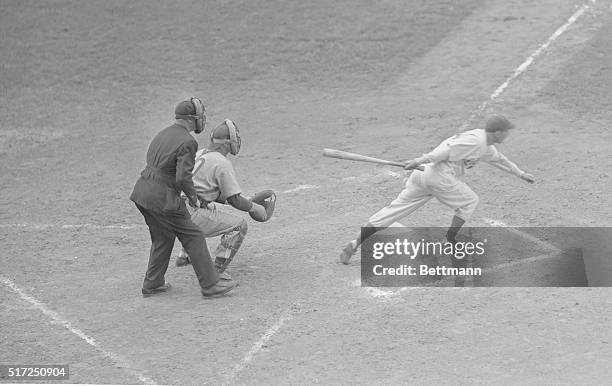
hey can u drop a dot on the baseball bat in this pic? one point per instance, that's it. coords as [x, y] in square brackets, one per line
[340, 154]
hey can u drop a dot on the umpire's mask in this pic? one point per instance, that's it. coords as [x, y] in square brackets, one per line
[192, 109]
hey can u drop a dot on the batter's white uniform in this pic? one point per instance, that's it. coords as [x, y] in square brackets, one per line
[441, 178]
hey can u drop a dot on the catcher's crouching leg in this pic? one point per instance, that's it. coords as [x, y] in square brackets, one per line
[229, 245]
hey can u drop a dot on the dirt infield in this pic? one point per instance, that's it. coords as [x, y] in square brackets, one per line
[86, 84]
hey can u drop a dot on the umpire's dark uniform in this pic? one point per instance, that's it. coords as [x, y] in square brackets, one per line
[170, 161]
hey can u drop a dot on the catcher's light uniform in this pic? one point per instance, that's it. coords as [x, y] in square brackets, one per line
[441, 178]
[216, 184]
[215, 180]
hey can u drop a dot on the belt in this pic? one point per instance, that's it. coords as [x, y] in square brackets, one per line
[151, 171]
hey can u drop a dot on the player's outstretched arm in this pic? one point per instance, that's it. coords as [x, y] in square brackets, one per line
[528, 177]
[503, 163]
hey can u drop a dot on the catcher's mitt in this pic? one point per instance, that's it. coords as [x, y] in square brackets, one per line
[267, 199]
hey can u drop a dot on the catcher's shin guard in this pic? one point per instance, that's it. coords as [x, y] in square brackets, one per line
[229, 245]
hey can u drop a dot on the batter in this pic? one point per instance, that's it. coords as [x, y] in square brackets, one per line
[443, 169]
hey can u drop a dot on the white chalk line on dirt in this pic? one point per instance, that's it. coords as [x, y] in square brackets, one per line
[381, 294]
[520, 69]
[261, 343]
[527, 260]
[41, 226]
[378, 293]
[72, 226]
[300, 187]
[543, 244]
[57, 319]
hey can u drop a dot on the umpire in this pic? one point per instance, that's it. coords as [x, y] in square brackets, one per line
[170, 161]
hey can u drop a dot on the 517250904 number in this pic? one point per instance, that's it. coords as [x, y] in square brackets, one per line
[34, 372]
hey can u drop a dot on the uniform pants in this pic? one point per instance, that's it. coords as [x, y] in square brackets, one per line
[422, 187]
[164, 227]
[214, 221]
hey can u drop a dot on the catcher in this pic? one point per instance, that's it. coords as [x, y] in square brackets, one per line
[216, 184]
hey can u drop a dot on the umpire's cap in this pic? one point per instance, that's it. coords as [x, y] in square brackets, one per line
[185, 108]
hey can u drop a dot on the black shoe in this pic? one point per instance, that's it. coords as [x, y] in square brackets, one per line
[146, 292]
[221, 288]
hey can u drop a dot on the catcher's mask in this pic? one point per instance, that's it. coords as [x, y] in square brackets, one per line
[231, 136]
[192, 109]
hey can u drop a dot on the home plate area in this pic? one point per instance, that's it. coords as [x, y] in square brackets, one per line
[483, 257]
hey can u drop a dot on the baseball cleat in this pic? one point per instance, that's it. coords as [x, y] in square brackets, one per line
[182, 261]
[349, 250]
[219, 289]
[146, 292]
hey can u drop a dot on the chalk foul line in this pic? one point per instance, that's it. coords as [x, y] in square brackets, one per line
[523, 66]
[43, 226]
[261, 343]
[543, 244]
[72, 226]
[300, 187]
[58, 319]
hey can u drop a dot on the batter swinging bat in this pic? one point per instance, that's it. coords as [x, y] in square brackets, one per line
[333, 153]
